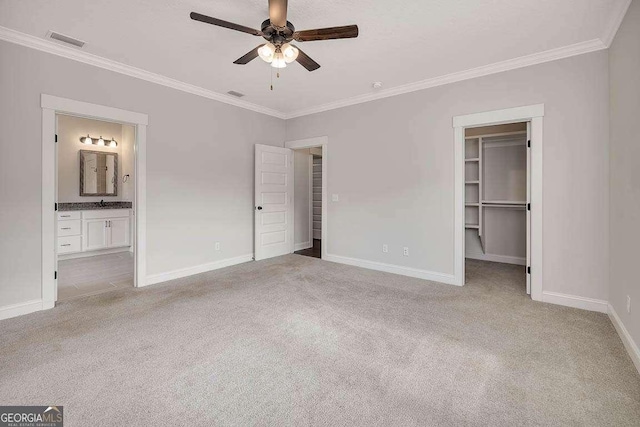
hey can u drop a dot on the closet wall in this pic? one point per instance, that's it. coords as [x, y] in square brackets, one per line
[495, 193]
[317, 195]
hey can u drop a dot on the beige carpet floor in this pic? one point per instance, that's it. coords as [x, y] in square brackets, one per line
[300, 341]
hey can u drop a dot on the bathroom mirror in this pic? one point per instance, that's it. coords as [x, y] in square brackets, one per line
[98, 173]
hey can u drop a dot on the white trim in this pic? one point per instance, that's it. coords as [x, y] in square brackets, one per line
[534, 114]
[500, 258]
[13, 310]
[448, 279]
[91, 111]
[197, 269]
[51, 47]
[52, 105]
[625, 336]
[506, 115]
[575, 301]
[617, 17]
[75, 54]
[498, 67]
[303, 245]
[49, 248]
[320, 141]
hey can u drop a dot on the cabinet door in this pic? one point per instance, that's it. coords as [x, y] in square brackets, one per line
[120, 234]
[95, 234]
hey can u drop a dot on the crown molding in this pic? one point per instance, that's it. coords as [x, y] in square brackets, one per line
[41, 44]
[618, 16]
[44, 45]
[498, 67]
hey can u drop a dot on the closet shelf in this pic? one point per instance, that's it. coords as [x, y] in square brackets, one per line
[472, 182]
[476, 226]
[503, 202]
[472, 204]
[477, 159]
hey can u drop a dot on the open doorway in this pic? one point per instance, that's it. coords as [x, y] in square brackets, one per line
[95, 190]
[275, 197]
[308, 201]
[497, 177]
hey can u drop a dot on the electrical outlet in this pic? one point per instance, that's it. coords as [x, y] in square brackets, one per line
[217, 246]
[628, 304]
[385, 248]
[405, 251]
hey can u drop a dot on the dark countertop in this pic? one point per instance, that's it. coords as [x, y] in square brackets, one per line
[92, 206]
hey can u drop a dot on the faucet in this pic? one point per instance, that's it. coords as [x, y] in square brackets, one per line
[102, 203]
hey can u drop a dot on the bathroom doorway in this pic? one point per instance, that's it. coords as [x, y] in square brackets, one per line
[108, 219]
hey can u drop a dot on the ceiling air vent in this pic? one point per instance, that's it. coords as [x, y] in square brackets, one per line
[236, 94]
[65, 39]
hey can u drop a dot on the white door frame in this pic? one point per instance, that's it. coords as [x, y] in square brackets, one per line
[533, 114]
[321, 141]
[52, 105]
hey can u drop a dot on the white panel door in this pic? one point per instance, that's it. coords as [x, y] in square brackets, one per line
[273, 201]
[528, 272]
[119, 232]
[94, 234]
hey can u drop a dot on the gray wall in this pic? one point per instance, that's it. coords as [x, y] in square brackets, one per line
[624, 69]
[199, 165]
[69, 131]
[391, 162]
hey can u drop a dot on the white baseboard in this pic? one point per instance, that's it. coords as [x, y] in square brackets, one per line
[629, 343]
[574, 301]
[190, 271]
[499, 258]
[449, 279]
[303, 245]
[63, 257]
[19, 309]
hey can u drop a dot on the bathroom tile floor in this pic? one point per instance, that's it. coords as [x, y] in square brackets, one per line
[94, 275]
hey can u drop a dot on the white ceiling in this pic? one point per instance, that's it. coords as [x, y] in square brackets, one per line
[400, 42]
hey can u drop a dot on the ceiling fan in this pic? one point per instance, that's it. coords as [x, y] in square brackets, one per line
[279, 33]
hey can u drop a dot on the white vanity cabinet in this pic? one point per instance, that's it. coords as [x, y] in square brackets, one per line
[93, 230]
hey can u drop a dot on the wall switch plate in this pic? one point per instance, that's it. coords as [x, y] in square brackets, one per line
[385, 248]
[628, 303]
[405, 251]
[217, 246]
[335, 198]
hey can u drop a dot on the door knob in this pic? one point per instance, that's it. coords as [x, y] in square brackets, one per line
[259, 208]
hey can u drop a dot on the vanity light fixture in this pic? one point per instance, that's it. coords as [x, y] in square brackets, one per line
[88, 140]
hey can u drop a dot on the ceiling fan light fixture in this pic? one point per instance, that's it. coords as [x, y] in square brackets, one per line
[278, 60]
[266, 52]
[289, 52]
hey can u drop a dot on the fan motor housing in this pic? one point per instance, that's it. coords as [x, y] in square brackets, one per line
[277, 35]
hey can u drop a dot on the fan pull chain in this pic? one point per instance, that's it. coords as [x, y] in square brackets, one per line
[271, 77]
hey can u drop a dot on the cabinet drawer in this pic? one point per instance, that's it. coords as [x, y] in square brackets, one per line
[106, 214]
[69, 244]
[65, 215]
[69, 228]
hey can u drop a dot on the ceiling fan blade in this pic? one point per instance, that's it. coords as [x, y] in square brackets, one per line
[248, 57]
[220, 23]
[306, 61]
[346, 32]
[278, 12]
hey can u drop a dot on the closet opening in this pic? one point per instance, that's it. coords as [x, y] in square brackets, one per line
[497, 211]
[308, 201]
